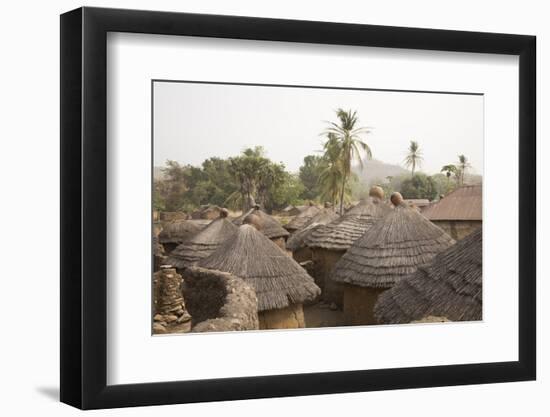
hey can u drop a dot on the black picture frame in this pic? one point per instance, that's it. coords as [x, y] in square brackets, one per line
[84, 207]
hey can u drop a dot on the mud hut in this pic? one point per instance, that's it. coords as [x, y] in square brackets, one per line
[459, 213]
[203, 243]
[299, 221]
[392, 249]
[296, 243]
[450, 287]
[281, 285]
[178, 231]
[269, 226]
[329, 242]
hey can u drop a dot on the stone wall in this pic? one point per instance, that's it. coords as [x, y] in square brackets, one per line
[171, 316]
[219, 302]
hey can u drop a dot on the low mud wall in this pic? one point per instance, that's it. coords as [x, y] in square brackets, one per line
[219, 302]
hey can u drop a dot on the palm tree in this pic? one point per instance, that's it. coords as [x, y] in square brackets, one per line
[414, 157]
[347, 139]
[463, 164]
[449, 170]
[331, 177]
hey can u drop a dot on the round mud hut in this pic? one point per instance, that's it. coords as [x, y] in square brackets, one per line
[281, 285]
[299, 221]
[203, 243]
[450, 287]
[296, 243]
[392, 249]
[178, 231]
[329, 242]
[268, 225]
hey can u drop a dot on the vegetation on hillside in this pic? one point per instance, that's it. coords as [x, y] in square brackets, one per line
[334, 175]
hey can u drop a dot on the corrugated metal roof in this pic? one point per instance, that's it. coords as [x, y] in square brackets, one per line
[418, 202]
[464, 203]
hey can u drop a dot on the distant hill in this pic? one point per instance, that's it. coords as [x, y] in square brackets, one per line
[375, 170]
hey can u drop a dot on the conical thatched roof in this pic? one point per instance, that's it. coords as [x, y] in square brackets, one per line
[304, 217]
[298, 238]
[270, 226]
[342, 232]
[202, 243]
[450, 287]
[391, 249]
[179, 230]
[277, 279]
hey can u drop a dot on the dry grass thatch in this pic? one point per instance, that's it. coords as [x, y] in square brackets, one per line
[278, 280]
[298, 239]
[303, 218]
[206, 212]
[270, 226]
[450, 287]
[391, 249]
[179, 230]
[341, 233]
[202, 244]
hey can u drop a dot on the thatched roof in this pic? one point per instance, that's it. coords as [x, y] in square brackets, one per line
[450, 287]
[304, 217]
[298, 238]
[270, 226]
[179, 230]
[278, 280]
[342, 232]
[391, 249]
[464, 203]
[202, 243]
[207, 212]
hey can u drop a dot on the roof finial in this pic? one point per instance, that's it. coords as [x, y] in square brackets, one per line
[377, 191]
[396, 198]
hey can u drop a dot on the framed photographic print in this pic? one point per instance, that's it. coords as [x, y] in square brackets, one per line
[258, 208]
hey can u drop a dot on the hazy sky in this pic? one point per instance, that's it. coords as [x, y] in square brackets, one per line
[193, 122]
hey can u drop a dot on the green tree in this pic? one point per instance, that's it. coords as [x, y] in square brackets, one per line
[442, 184]
[218, 174]
[288, 191]
[330, 179]
[246, 170]
[174, 186]
[310, 173]
[348, 140]
[450, 170]
[414, 157]
[419, 186]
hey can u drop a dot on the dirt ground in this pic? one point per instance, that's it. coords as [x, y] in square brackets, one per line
[321, 315]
